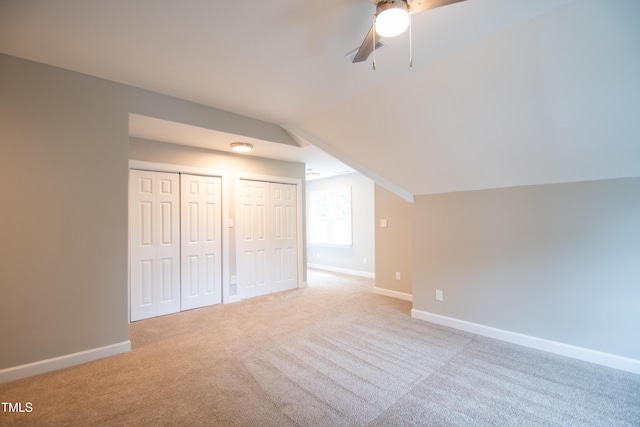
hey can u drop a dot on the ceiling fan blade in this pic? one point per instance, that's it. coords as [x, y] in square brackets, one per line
[417, 6]
[367, 46]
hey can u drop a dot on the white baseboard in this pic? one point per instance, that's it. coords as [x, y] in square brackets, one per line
[393, 294]
[342, 270]
[47, 365]
[580, 353]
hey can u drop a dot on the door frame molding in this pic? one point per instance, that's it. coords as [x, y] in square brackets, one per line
[299, 213]
[224, 177]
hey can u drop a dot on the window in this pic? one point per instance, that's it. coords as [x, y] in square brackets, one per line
[330, 217]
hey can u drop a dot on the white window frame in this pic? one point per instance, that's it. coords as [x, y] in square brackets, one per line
[330, 217]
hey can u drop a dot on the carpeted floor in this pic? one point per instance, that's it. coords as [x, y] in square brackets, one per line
[333, 354]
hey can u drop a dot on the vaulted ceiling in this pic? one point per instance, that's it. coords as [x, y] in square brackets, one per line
[501, 92]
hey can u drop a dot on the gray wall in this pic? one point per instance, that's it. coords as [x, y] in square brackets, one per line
[393, 242]
[362, 203]
[63, 168]
[63, 224]
[560, 262]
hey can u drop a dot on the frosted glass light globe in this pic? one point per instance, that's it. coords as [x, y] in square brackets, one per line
[391, 22]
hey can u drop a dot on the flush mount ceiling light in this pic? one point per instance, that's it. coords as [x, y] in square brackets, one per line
[241, 147]
[392, 18]
[311, 175]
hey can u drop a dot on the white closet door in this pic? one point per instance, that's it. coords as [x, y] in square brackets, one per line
[266, 238]
[201, 241]
[155, 243]
[283, 237]
[252, 243]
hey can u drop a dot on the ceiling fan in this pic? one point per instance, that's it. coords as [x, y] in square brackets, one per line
[396, 14]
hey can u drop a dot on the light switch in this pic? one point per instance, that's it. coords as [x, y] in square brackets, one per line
[383, 223]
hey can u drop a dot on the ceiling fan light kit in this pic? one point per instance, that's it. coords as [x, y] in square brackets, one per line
[392, 18]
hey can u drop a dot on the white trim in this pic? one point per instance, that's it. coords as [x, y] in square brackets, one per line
[268, 178]
[342, 270]
[393, 294]
[168, 167]
[55, 363]
[580, 353]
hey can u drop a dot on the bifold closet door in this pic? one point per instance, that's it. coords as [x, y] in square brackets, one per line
[252, 268]
[155, 243]
[283, 238]
[201, 241]
[266, 239]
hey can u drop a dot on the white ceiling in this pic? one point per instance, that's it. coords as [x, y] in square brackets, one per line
[501, 93]
[316, 160]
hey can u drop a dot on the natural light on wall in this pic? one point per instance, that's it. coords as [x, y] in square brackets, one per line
[330, 217]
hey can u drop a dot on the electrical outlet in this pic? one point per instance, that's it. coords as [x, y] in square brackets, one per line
[232, 280]
[398, 275]
[383, 223]
[364, 260]
[439, 295]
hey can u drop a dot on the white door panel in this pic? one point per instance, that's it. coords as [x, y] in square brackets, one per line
[251, 238]
[155, 243]
[266, 238]
[175, 242]
[283, 206]
[201, 243]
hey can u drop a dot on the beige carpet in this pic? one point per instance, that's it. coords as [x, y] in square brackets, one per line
[329, 355]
